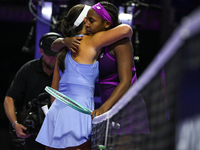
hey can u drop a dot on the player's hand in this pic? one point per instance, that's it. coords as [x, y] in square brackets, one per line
[19, 128]
[72, 43]
[97, 112]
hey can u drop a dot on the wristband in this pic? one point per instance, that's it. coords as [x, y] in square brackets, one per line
[14, 123]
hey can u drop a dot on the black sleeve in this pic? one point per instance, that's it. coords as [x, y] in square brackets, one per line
[18, 85]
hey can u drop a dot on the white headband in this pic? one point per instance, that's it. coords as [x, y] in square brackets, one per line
[81, 17]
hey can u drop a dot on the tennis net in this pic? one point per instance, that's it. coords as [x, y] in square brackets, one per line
[163, 87]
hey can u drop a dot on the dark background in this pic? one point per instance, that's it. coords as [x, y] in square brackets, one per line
[16, 22]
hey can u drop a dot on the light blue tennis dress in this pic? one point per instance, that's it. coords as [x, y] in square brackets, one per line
[64, 126]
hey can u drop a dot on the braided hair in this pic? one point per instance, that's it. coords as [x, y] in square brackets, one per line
[113, 12]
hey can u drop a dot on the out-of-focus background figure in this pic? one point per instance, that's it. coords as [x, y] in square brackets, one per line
[26, 95]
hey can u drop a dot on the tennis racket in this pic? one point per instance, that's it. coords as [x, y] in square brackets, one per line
[63, 98]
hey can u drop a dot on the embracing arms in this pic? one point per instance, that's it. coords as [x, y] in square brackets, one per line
[105, 38]
[99, 40]
[71, 43]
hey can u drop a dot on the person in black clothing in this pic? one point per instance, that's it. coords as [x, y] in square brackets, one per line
[29, 82]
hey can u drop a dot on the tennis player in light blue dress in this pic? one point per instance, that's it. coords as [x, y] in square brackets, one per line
[62, 125]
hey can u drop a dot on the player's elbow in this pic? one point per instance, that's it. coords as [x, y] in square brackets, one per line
[57, 45]
[126, 83]
[128, 32]
[53, 47]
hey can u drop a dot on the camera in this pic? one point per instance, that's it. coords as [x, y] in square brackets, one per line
[32, 118]
[35, 116]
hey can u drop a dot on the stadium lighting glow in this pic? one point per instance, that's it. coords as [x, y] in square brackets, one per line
[125, 16]
[47, 10]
